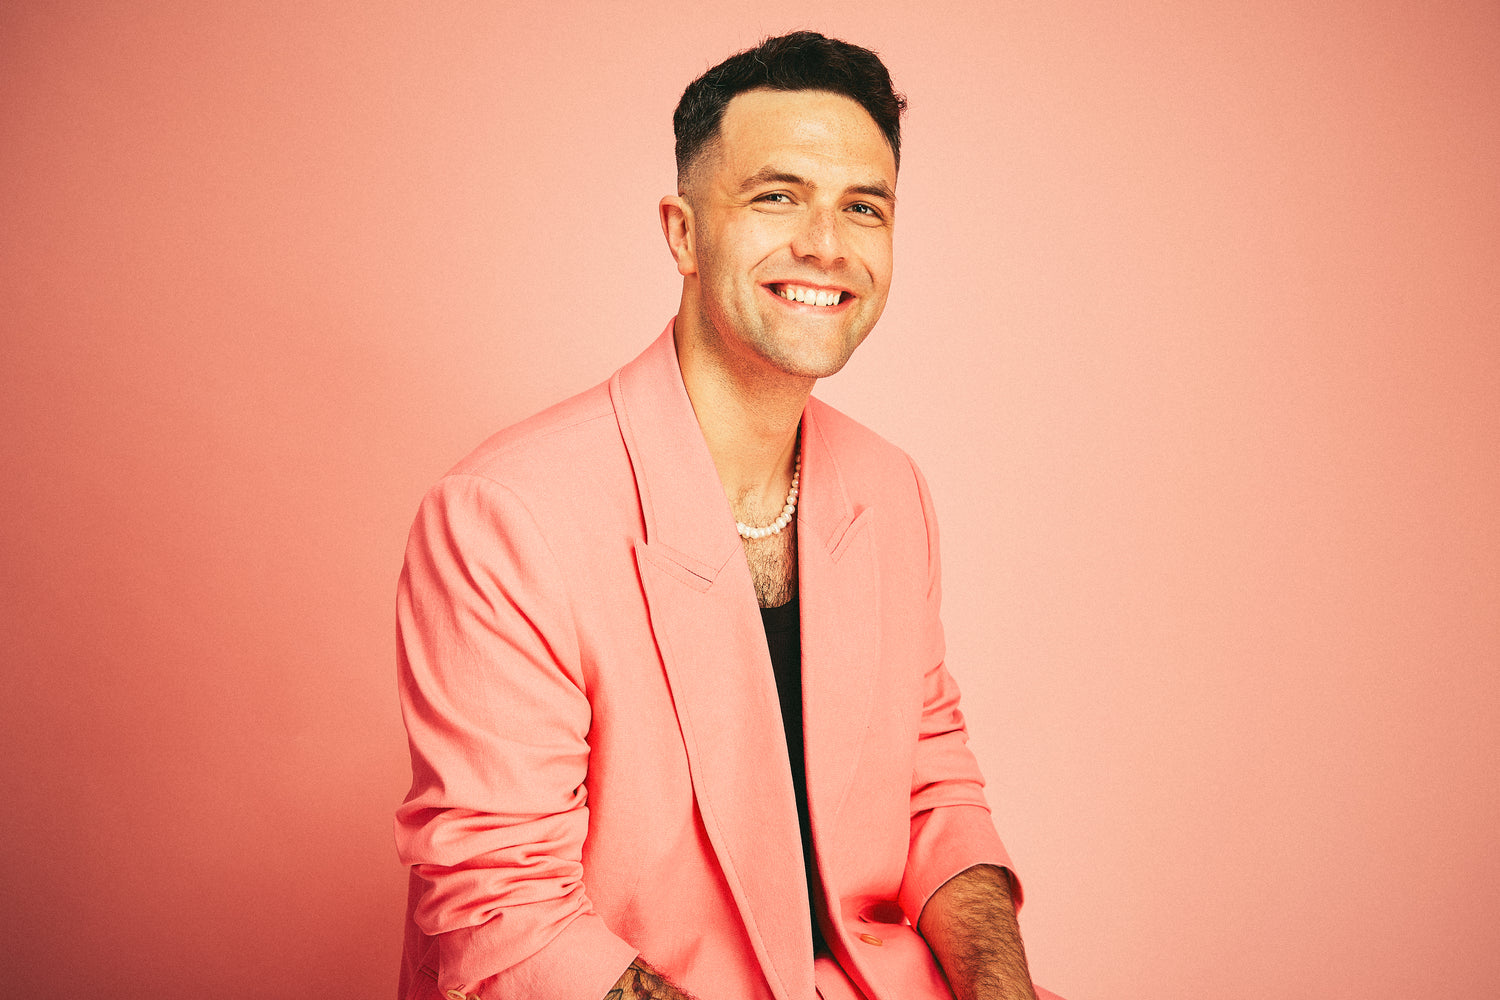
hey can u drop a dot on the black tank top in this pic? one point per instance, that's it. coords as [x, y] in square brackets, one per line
[784, 639]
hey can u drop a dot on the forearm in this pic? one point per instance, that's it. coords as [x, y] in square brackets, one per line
[970, 925]
[641, 982]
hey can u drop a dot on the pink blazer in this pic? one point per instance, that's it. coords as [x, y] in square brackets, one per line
[599, 768]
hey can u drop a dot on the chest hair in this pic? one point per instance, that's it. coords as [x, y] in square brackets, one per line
[773, 566]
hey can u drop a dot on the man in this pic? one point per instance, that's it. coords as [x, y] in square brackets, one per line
[659, 754]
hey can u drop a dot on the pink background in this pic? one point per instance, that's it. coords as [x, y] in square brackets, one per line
[1195, 330]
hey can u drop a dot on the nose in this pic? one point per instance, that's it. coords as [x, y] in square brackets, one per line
[817, 238]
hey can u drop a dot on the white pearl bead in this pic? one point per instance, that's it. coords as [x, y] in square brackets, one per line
[788, 510]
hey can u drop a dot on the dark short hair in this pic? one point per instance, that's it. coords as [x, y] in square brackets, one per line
[802, 60]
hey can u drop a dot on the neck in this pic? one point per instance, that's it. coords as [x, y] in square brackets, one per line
[749, 419]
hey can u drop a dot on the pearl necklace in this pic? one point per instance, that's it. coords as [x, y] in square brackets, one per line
[787, 512]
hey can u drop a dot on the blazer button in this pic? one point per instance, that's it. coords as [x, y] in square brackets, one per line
[871, 939]
[456, 995]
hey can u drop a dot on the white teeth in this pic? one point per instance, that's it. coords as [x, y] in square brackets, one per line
[810, 296]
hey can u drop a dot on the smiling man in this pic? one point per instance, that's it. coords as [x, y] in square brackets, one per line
[670, 657]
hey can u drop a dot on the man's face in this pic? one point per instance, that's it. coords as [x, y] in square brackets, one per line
[792, 212]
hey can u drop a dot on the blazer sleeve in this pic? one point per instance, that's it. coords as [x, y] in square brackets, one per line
[497, 717]
[951, 826]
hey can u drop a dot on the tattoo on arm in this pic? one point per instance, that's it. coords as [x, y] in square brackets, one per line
[641, 982]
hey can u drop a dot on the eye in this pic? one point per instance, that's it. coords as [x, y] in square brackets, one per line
[868, 211]
[776, 198]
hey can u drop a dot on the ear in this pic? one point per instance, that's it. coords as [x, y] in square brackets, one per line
[677, 227]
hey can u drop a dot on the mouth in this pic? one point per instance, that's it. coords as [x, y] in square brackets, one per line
[808, 295]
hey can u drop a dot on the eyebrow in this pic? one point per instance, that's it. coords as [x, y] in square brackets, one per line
[770, 175]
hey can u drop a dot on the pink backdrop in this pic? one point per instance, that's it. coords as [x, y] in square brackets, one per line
[1214, 297]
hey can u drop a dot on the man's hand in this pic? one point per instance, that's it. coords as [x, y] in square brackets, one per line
[641, 982]
[970, 925]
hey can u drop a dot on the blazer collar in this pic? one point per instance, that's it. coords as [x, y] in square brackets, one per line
[682, 500]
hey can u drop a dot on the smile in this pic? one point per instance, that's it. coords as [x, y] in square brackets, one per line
[810, 296]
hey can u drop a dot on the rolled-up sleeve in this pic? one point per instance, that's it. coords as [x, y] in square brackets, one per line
[497, 717]
[951, 826]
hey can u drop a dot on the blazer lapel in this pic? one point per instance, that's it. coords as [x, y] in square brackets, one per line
[708, 630]
[840, 591]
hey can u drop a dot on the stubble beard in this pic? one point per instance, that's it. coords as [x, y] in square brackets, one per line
[786, 352]
[757, 333]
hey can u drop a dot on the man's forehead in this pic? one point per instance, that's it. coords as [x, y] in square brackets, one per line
[793, 131]
[762, 106]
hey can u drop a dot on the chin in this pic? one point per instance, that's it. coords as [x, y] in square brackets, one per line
[812, 364]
